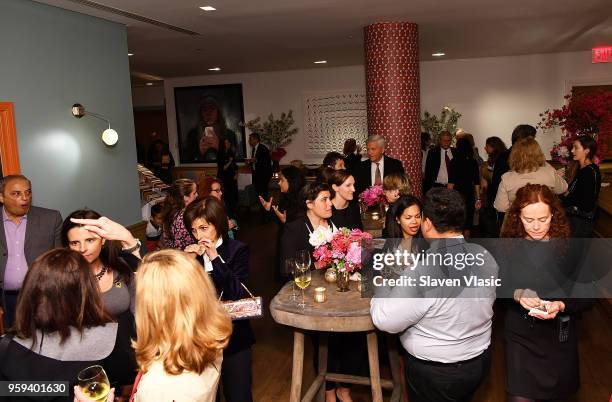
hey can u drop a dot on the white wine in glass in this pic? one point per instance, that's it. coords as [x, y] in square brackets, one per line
[94, 383]
[302, 279]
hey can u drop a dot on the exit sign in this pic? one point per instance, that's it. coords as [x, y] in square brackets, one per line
[602, 54]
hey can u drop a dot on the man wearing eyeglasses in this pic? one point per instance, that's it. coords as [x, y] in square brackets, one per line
[26, 232]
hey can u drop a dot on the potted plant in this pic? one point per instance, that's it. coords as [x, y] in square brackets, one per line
[275, 133]
[583, 114]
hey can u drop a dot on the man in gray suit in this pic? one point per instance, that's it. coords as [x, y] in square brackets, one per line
[444, 315]
[25, 233]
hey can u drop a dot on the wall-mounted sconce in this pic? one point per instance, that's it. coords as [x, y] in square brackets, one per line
[109, 136]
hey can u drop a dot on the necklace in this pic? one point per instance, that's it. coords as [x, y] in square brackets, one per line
[100, 274]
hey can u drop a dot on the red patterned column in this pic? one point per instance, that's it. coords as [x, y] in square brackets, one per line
[392, 89]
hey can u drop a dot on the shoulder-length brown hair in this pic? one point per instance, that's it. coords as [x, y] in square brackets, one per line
[175, 202]
[179, 321]
[59, 292]
[526, 156]
[532, 194]
[212, 211]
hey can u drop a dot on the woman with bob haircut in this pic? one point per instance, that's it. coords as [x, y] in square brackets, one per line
[227, 262]
[62, 327]
[214, 187]
[527, 165]
[541, 362]
[395, 185]
[182, 330]
[182, 193]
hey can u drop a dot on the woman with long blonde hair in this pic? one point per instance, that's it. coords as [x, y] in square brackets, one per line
[182, 330]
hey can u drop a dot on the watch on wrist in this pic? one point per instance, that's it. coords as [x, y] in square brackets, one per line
[133, 248]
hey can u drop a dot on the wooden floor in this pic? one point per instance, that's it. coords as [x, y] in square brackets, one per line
[273, 350]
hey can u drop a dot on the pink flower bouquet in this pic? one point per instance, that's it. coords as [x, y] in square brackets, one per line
[372, 196]
[342, 251]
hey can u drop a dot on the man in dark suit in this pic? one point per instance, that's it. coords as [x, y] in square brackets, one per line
[378, 165]
[261, 168]
[261, 165]
[437, 165]
[25, 233]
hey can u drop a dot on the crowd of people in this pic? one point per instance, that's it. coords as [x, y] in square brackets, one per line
[77, 292]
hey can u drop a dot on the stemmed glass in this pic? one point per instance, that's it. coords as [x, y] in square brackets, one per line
[290, 267]
[94, 383]
[302, 275]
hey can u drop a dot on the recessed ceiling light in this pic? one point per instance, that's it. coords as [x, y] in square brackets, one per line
[439, 54]
[149, 84]
[130, 54]
[208, 8]
[320, 62]
[215, 69]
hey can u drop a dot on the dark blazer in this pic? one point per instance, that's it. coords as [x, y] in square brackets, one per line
[43, 229]
[262, 171]
[228, 273]
[296, 237]
[363, 177]
[501, 166]
[432, 167]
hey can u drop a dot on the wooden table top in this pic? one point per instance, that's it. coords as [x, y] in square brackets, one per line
[342, 312]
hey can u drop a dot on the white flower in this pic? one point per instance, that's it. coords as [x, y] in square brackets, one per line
[564, 152]
[320, 236]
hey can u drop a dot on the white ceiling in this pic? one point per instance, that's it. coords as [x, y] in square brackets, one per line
[265, 35]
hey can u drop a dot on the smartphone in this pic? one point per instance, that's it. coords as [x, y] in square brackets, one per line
[564, 323]
[209, 131]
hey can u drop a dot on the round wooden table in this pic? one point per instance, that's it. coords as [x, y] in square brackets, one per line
[342, 312]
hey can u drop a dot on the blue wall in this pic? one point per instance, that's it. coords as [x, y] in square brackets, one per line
[51, 58]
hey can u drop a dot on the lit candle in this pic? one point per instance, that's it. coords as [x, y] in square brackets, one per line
[375, 216]
[320, 295]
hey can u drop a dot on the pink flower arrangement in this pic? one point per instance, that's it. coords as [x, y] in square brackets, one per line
[372, 196]
[342, 251]
[584, 114]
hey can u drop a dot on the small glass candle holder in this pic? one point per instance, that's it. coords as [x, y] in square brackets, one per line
[320, 294]
[375, 216]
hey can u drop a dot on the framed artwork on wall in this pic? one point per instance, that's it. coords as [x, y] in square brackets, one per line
[209, 121]
[9, 155]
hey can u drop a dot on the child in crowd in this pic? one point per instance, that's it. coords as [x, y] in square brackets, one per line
[155, 227]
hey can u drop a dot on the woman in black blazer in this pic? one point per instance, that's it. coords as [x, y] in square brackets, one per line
[227, 261]
[580, 201]
[315, 199]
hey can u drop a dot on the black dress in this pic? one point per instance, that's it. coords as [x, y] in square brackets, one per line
[538, 365]
[464, 175]
[293, 211]
[581, 200]
[348, 217]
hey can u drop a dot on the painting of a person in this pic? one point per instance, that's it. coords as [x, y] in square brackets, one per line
[205, 142]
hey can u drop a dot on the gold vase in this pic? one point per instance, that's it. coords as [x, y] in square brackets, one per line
[342, 281]
[330, 275]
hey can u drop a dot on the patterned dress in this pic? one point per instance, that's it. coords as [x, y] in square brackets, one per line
[178, 237]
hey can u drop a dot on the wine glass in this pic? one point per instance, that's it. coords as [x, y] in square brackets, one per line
[94, 383]
[302, 258]
[290, 267]
[302, 280]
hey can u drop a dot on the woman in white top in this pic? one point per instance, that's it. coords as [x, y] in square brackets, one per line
[182, 330]
[527, 165]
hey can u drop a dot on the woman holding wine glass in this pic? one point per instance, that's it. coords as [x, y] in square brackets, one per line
[227, 262]
[62, 327]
